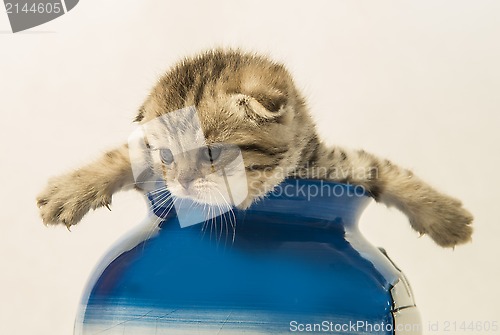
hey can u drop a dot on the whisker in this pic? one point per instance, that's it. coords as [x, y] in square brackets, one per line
[167, 209]
[151, 231]
[231, 212]
[162, 194]
[210, 210]
[205, 223]
[159, 190]
[155, 225]
[221, 220]
[162, 200]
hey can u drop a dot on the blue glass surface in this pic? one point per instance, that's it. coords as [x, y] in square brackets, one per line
[294, 257]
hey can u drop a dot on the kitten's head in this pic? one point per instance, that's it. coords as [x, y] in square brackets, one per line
[226, 114]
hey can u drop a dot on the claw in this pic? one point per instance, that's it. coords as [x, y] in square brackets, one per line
[68, 227]
[107, 206]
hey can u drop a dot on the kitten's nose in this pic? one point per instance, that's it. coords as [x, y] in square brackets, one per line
[185, 181]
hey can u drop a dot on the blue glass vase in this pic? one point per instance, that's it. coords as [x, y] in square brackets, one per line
[295, 263]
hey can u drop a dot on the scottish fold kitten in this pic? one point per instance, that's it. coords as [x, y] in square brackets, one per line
[247, 106]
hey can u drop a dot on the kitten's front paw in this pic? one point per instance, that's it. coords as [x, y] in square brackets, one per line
[446, 222]
[68, 198]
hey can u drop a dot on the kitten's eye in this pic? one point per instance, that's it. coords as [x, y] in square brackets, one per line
[211, 153]
[166, 156]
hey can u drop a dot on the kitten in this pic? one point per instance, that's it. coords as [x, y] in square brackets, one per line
[250, 102]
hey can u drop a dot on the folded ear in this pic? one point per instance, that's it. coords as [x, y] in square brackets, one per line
[273, 101]
[262, 105]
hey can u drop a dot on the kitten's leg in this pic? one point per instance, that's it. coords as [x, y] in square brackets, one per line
[430, 212]
[67, 198]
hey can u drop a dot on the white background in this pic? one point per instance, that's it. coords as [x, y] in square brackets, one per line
[417, 82]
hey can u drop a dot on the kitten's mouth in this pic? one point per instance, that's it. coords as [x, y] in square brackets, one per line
[202, 195]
